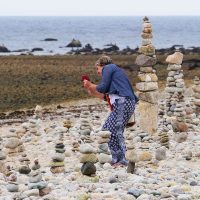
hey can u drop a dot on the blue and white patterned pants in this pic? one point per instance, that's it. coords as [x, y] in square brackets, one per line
[123, 109]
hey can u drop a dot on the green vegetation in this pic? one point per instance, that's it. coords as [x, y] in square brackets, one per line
[26, 81]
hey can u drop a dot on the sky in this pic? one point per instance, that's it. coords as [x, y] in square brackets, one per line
[99, 7]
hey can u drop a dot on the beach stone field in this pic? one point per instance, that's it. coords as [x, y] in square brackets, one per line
[61, 153]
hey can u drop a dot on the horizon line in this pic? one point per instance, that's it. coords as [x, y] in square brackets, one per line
[99, 15]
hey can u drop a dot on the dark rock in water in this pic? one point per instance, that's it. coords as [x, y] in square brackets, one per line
[113, 47]
[88, 169]
[50, 39]
[21, 50]
[37, 49]
[4, 49]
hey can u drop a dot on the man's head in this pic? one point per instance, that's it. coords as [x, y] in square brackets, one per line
[101, 62]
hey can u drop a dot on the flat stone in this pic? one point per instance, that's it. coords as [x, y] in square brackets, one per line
[144, 60]
[87, 148]
[148, 77]
[147, 86]
[88, 158]
[175, 58]
[38, 185]
[104, 158]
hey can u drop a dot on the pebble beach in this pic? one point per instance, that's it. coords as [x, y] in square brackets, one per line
[160, 173]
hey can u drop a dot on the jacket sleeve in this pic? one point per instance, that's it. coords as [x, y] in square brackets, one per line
[104, 85]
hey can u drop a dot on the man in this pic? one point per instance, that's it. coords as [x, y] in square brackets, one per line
[116, 87]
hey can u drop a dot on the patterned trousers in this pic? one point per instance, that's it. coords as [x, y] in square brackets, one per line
[123, 109]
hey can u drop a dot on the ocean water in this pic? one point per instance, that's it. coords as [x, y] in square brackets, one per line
[28, 32]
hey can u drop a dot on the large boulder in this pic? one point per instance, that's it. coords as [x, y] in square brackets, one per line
[4, 49]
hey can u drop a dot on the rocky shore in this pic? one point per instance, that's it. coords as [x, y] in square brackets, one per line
[160, 172]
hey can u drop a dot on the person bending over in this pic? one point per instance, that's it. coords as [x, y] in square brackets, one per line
[116, 86]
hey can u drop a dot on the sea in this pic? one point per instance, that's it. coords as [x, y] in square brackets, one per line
[29, 32]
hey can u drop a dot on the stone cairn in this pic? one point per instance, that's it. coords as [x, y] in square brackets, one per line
[88, 158]
[175, 103]
[24, 164]
[85, 127]
[196, 90]
[34, 128]
[103, 149]
[148, 86]
[175, 86]
[131, 155]
[13, 143]
[35, 179]
[57, 165]
[2, 157]
[12, 186]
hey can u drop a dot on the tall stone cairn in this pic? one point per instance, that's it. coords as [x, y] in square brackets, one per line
[148, 86]
[196, 90]
[175, 87]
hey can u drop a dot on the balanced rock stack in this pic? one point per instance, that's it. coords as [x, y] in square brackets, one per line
[67, 123]
[148, 86]
[175, 86]
[163, 137]
[38, 112]
[35, 179]
[57, 165]
[104, 152]
[131, 155]
[13, 143]
[85, 126]
[196, 90]
[88, 158]
[24, 164]
[12, 186]
[33, 127]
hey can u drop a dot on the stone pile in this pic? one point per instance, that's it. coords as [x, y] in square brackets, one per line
[57, 165]
[35, 179]
[13, 143]
[88, 158]
[34, 127]
[85, 126]
[38, 112]
[103, 149]
[12, 185]
[67, 123]
[164, 138]
[131, 155]
[196, 90]
[175, 87]
[148, 86]
[24, 164]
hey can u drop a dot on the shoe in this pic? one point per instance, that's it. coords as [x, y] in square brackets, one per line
[124, 162]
